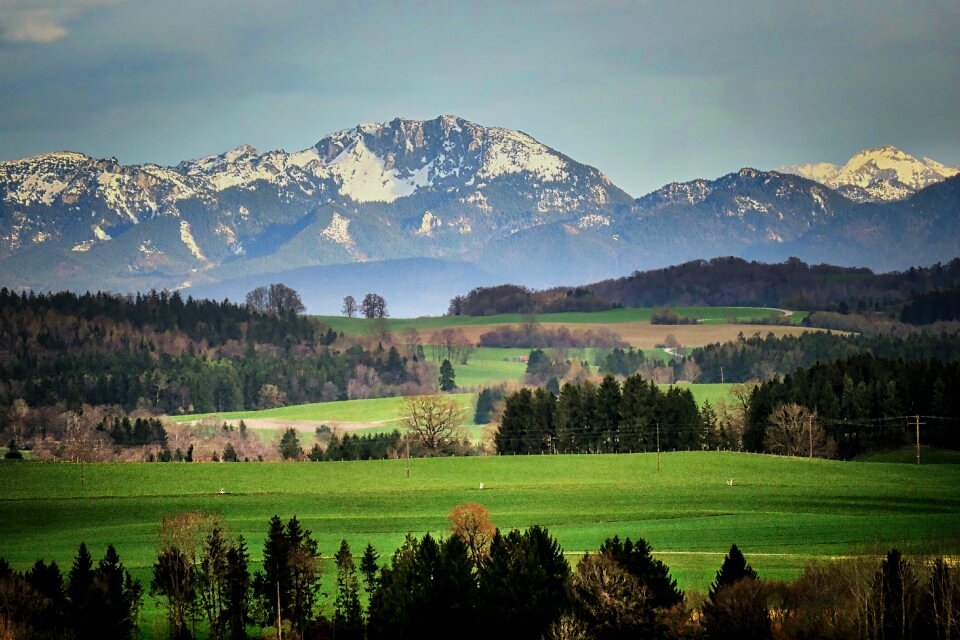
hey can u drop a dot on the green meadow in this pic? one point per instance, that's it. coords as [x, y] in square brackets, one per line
[781, 511]
[386, 410]
[705, 315]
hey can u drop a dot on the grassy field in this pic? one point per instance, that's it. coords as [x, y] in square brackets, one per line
[781, 511]
[706, 315]
[908, 455]
[372, 410]
[780, 508]
[382, 414]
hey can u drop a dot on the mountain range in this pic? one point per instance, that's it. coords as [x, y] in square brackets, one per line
[423, 210]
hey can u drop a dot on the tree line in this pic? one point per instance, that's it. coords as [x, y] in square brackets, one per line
[160, 354]
[761, 358]
[729, 281]
[865, 403]
[604, 418]
[478, 582]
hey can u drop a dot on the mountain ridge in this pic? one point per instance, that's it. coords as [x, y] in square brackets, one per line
[879, 174]
[442, 189]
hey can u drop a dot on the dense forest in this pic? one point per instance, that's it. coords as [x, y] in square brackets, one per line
[759, 358]
[865, 403]
[62, 354]
[479, 582]
[604, 418]
[838, 409]
[730, 281]
[172, 356]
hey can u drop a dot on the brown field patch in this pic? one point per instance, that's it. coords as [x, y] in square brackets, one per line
[643, 335]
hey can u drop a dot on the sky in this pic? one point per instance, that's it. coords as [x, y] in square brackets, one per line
[649, 92]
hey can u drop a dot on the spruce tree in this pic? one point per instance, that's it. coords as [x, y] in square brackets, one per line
[637, 560]
[236, 609]
[79, 587]
[447, 376]
[348, 614]
[369, 567]
[733, 569]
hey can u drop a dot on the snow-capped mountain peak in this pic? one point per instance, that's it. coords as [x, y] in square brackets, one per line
[879, 174]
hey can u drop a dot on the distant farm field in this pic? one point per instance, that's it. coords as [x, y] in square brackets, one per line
[384, 414]
[781, 511]
[705, 315]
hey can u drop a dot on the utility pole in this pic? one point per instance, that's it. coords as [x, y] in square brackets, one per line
[408, 456]
[721, 374]
[917, 423]
[658, 447]
[810, 431]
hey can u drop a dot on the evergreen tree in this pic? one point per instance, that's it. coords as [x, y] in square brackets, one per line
[736, 606]
[637, 559]
[348, 614]
[427, 593]
[515, 425]
[523, 584]
[369, 567]
[447, 377]
[291, 573]
[13, 451]
[79, 588]
[236, 610]
[290, 445]
[50, 613]
[229, 453]
[733, 569]
[119, 598]
[608, 415]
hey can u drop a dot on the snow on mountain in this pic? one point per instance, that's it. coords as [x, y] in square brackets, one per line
[444, 188]
[877, 175]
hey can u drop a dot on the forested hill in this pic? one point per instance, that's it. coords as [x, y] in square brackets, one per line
[727, 282]
[205, 322]
[164, 354]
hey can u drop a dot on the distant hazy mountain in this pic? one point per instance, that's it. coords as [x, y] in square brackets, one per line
[438, 201]
[877, 175]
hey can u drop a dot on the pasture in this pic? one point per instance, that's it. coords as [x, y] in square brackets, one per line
[781, 511]
[715, 324]
[377, 415]
[704, 315]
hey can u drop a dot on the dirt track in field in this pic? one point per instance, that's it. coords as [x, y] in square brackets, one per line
[642, 335]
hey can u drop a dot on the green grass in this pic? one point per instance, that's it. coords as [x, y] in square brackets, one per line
[713, 393]
[780, 511]
[908, 455]
[707, 315]
[371, 410]
[794, 508]
[489, 366]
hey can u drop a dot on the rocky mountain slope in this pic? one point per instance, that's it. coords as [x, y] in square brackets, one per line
[882, 174]
[445, 196]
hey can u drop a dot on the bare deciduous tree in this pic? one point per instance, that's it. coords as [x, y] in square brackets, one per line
[794, 430]
[434, 421]
[277, 298]
[373, 306]
[349, 306]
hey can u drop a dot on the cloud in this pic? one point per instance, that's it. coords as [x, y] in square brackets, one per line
[35, 25]
[39, 21]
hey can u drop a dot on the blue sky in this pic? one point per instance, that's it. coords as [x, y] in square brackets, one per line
[649, 92]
